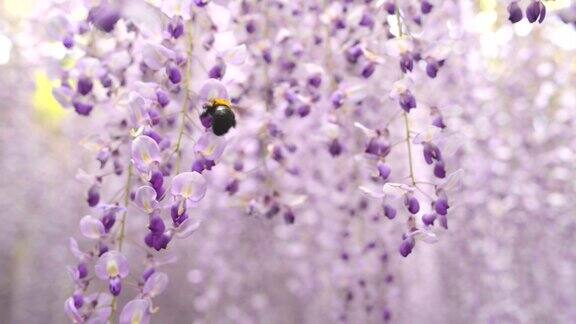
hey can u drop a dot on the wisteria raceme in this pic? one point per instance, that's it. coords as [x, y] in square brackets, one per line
[149, 77]
[329, 123]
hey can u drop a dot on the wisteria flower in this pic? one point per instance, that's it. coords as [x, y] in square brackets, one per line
[145, 198]
[145, 153]
[212, 89]
[136, 311]
[210, 146]
[91, 227]
[155, 284]
[189, 186]
[187, 227]
[112, 266]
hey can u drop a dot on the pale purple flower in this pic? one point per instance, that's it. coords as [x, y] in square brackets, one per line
[75, 249]
[145, 153]
[155, 56]
[187, 228]
[136, 311]
[104, 17]
[155, 284]
[212, 89]
[72, 311]
[189, 186]
[112, 264]
[146, 199]
[147, 85]
[91, 227]
[210, 146]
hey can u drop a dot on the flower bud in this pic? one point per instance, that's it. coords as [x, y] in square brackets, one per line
[514, 12]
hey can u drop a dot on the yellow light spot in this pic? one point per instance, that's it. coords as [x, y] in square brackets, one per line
[19, 8]
[181, 207]
[47, 107]
[136, 318]
[487, 5]
[146, 157]
[209, 150]
[557, 4]
[147, 206]
[187, 192]
[112, 269]
[68, 62]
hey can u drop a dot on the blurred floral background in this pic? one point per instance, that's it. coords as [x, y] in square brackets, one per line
[508, 256]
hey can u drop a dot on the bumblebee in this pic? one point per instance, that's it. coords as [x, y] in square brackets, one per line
[219, 116]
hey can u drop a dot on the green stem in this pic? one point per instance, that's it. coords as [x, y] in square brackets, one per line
[185, 103]
[121, 234]
[409, 146]
[398, 19]
[406, 119]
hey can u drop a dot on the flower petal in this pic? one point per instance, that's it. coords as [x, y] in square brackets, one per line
[425, 236]
[71, 310]
[235, 55]
[187, 227]
[112, 264]
[453, 181]
[145, 151]
[91, 227]
[75, 249]
[367, 131]
[210, 146]
[372, 191]
[155, 284]
[136, 311]
[212, 89]
[189, 185]
[146, 199]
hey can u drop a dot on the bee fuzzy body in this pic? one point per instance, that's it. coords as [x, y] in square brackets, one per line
[222, 116]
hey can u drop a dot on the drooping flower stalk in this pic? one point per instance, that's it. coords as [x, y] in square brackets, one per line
[298, 108]
[185, 108]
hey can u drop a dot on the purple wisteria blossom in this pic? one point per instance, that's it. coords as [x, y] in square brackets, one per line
[324, 134]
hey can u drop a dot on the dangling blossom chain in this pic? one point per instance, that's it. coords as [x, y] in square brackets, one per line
[333, 110]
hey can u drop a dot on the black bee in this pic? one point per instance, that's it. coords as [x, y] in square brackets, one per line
[218, 114]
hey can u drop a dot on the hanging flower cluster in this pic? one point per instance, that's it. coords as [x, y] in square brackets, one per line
[132, 69]
[329, 111]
